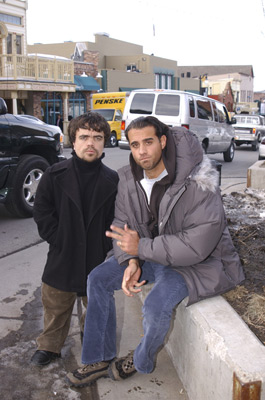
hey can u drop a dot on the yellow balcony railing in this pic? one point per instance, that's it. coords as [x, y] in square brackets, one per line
[36, 68]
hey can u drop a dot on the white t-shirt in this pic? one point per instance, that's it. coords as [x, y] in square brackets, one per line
[148, 184]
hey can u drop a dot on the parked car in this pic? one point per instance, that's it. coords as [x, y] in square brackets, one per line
[262, 149]
[206, 117]
[249, 129]
[27, 148]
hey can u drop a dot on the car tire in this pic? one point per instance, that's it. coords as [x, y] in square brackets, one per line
[255, 146]
[229, 153]
[20, 199]
[113, 142]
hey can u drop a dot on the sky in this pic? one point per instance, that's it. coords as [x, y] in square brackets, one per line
[192, 32]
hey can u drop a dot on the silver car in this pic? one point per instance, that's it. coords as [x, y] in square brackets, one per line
[249, 129]
[262, 149]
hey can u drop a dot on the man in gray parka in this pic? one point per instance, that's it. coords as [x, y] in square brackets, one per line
[170, 229]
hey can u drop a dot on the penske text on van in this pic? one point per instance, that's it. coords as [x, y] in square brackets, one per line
[110, 106]
[206, 117]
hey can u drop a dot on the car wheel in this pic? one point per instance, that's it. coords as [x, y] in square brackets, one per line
[113, 140]
[20, 199]
[229, 153]
[255, 146]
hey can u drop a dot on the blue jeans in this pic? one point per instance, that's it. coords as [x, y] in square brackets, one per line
[99, 341]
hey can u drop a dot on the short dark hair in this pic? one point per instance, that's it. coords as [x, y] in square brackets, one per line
[89, 120]
[142, 122]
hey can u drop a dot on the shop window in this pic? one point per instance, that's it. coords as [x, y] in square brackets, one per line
[51, 106]
[77, 105]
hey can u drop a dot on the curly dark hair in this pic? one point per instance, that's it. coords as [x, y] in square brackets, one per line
[89, 120]
[143, 122]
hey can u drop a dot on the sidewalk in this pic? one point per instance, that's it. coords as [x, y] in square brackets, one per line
[21, 321]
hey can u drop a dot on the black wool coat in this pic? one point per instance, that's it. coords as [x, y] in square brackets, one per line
[74, 250]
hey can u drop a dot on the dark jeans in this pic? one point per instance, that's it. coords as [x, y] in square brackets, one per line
[100, 325]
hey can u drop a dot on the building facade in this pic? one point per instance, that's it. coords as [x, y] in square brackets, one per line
[40, 85]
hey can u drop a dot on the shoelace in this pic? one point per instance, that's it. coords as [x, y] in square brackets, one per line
[87, 367]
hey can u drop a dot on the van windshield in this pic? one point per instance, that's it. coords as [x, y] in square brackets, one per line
[107, 114]
[142, 103]
[167, 104]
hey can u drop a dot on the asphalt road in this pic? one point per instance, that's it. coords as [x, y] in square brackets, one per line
[17, 234]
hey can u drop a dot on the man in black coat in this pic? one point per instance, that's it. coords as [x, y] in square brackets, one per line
[74, 206]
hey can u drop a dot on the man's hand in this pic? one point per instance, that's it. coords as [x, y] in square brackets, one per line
[131, 277]
[127, 239]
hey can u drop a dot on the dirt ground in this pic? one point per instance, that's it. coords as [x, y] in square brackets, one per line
[246, 220]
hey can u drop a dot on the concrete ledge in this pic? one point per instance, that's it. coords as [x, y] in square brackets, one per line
[208, 344]
[256, 175]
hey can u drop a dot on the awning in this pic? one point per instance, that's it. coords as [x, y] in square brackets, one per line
[86, 83]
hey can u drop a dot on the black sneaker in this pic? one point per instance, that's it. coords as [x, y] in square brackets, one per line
[88, 374]
[43, 357]
[122, 368]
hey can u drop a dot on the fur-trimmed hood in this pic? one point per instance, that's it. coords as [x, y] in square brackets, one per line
[206, 176]
[190, 161]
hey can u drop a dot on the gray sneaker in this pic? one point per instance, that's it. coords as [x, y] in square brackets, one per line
[88, 374]
[122, 368]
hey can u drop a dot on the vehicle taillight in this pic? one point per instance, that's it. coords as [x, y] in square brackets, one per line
[186, 126]
[254, 131]
[123, 125]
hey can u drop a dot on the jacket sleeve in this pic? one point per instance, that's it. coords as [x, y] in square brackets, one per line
[202, 227]
[120, 219]
[44, 210]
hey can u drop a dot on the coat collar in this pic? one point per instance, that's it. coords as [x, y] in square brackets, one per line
[67, 181]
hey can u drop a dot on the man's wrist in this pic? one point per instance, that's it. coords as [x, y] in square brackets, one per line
[134, 261]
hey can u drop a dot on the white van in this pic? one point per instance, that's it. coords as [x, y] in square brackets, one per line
[206, 117]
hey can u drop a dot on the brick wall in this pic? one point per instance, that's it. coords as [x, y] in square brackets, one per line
[90, 64]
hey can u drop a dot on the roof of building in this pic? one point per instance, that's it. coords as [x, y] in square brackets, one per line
[196, 70]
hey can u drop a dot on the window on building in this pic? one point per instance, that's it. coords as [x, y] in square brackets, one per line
[10, 19]
[188, 74]
[163, 81]
[169, 81]
[182, 75]
[77, 105]
[132, 68]
[51, 106]
[156, 81]
[249, 96]
[243, 96]
[19, 44]
[9, 44]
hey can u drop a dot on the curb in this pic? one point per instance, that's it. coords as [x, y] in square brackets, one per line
[214, 352]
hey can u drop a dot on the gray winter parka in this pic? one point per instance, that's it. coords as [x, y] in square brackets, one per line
[193, 236]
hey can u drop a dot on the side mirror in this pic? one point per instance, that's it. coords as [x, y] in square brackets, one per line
[233, 120]
[3, 106]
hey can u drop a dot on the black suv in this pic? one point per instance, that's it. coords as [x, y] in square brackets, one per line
[27, 147]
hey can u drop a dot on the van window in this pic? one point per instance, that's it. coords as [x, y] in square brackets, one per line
[192, 107]
[204, 109]
[215, 112]
[221, 113]
[167, 105]
[142, 103]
